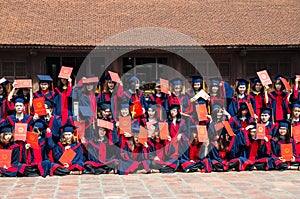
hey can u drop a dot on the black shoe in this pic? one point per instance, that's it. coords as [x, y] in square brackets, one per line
[89, 168]
[233, 165]
[249, 167]
[282, 166]
[218, 167]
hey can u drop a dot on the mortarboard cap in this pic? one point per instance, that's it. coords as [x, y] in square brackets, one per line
[19, 99]
[105, 105]
[86, 111]
[49, 103]
[216, 105]
[215, 81]
[255, 80]
[6, 127]
[177, 106]
[152, 105]
[135, 128]
[197, 79]
[295, 105]
[107, 77]
[125, 104]
[176, 81]
[133, 79]
[243, 106]
[68, 128]
[278, 77]
[242, 82]
[40, 124]
[266, 111]
[44, 78]
[283, 123]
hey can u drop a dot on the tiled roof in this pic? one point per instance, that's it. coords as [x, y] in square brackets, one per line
[208, 22]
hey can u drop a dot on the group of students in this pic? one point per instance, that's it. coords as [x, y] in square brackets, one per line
[105, 147]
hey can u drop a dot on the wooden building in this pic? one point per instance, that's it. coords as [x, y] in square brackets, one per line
[242, 37]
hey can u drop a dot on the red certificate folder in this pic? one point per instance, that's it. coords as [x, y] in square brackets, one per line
[105, 124]
[286, 151]
[201, 112]
[219, 126]
[250, 107]
[286, 84]
[296, 133]
[23, 83]
[125, 124]
[264, 77]
[67, 156]
[32, 139]
[164, 85]
[260, 131]
[39, 106]
[20, 131]
[163, 130]
[65, 72]
[90, 80]
[5, 158]
[114, 77]
[202, 133]
[143, 135]
[228, 128]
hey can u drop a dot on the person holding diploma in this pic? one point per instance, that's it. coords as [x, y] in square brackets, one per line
[282, 136]
[102, 157]
[71, 165]
[260, 95]
[7, 143]
[242, 90]
[35, 159]
[242, 119]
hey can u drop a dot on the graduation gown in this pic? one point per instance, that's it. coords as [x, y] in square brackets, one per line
[162, 101]
[15, 159]
[276, 150]
[223, 158]
[26, 119]
[255, 151]
[260, 101]
[237, 124]
[178, 150]
[279, 103]
[58, 150]
[235, 104]
[63, 102]
[133, 157]
[183, 100]
[197, 153]
[36, 157]
[100, 153]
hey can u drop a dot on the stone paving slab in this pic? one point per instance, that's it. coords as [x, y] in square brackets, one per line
[255, 184]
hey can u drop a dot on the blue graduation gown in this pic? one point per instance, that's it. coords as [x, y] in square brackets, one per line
[100, 153]
[38, 157]
[15, 158]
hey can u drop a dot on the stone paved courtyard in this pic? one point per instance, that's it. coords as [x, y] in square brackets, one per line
[255, 184]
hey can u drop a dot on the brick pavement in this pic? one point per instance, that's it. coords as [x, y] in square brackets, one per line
[256, 184]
